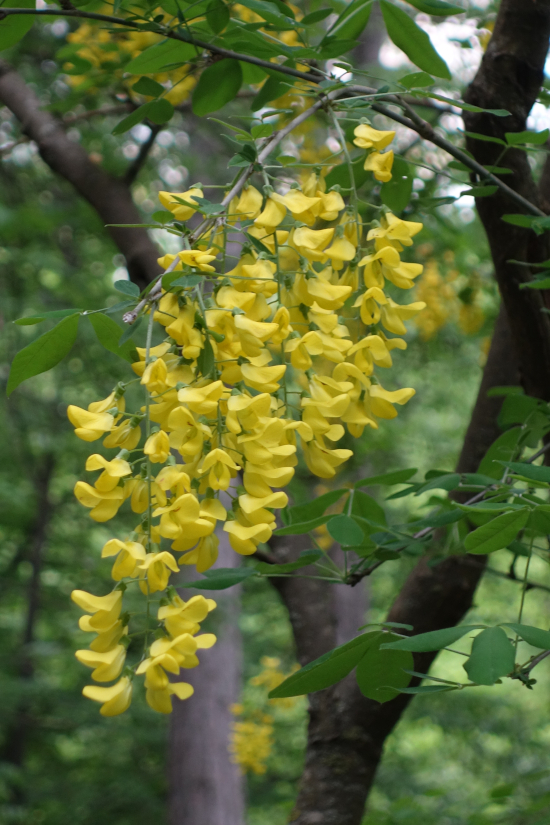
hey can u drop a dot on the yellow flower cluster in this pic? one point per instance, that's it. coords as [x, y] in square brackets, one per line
[278, 352]
[110, 50]
[252, 737]
[448, 298]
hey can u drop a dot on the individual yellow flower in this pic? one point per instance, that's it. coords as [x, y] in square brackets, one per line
[366, 137]
[124, 436]
[156, 566]
[104, 505]
[395, 229]
[89, 426]
[178, 210]
[204, 555]
[114, 700]
[107, 666]
[185, 617]
[157, 447]
[301, 207]
[129, 555]
[272, 215]
[380, 165]
[199, 259]
[182, 518]
[105, 610]
[250, 203]
[113, 471]
[220, 468]
[311, 242]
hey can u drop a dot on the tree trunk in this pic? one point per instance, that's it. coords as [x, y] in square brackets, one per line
[206, 787]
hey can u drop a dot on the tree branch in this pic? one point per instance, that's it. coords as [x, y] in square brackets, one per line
[414, 122]
[510, 76]
[134, 168]
[110, 197]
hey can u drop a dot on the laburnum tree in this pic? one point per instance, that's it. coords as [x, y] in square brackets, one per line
[268, 334]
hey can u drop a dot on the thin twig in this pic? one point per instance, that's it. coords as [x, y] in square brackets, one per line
[106, 110]
[134, 168]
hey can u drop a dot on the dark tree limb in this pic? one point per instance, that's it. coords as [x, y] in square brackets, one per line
[510, 77]
[110, 197]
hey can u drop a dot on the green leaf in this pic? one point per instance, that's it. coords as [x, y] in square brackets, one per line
[519, 220]
[160, 111]
[365, 506]
[539, 519]
[416, 79]
[305, 558]
[440, 519]
[503, 449]
[345, 531]
[416, 44]
[445, 481]
[221, 579]
[437, 8]
[351, 21]
[314, 509]
[186, 281]
[302, 527]
[540, 283]
[44, 353]
[535, 636]
[492, 657]
[31, 320]
[340, 176]
[315, 17]
[397, 192]
[217, 16]
[536, 138]
[381, 673]
[206, 361]
[127, 288]
[387, 479]
[261, 130]
[497, 533]
[14, 27]
[218, 84]
[434, 640]
[131, 120]
[516, 409]
[327, 669]
[108, 333]
[148, 87]
[480, 191]
[156, 57]
[532, 471]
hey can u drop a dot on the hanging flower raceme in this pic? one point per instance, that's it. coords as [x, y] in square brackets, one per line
[244, 371]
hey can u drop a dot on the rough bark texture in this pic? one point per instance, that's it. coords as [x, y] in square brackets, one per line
[510, 77]
[111, 198]
[205, 787]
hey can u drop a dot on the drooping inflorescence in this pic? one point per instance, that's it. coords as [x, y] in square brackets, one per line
[276, 352]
